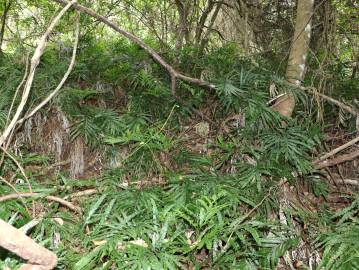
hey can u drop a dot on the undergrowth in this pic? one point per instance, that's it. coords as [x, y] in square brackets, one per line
[166, 205]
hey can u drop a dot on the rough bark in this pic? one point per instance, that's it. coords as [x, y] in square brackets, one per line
[298, 55]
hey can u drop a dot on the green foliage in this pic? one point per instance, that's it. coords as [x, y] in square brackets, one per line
[338, 239]
[165, 205]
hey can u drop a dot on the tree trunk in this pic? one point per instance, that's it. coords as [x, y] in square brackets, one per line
[298, 55]
[183, 8]
[3, 22]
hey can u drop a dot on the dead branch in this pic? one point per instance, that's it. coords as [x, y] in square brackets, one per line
[337, 150]
[64, 203]
[353, 182]
[49, 198]
[338, 160]
[31, 224]
[17, 242]
[341, 105]
[12, 105]
[35, 60]
[59, 86]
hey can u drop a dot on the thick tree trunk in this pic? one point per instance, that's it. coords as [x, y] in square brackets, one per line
[298, 55]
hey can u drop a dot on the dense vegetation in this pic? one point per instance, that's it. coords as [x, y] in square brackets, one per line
[209, 178]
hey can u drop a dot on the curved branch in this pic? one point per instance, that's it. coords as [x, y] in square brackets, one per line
[35, 60]
[66, 75]
[173, 73]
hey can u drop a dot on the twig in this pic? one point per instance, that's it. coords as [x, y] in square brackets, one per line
[13, 102]
[28, 226]
[339, 136]
[59, 86]
[337, 150]
[35, 60]
[65, 203]
[49, 198]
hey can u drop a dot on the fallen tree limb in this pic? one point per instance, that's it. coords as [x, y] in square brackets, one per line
[353, 182]
[341, 105]
[338, 103]
[337, 160]
[15, 190]
[337, 150]
[49, 198]
[23, 246]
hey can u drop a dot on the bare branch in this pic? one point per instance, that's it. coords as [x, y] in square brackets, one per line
[34, 63]
[59, 86]
[22, 172]
[341, 105]
[337, 160]
[173, 73]
[18, 89]
[337, 150]
[86, 192]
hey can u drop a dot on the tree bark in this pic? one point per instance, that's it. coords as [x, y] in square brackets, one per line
[298, 55]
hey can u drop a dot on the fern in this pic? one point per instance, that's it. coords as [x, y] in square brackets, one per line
[340, 248]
